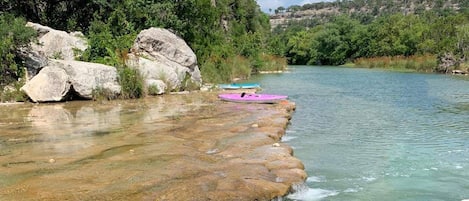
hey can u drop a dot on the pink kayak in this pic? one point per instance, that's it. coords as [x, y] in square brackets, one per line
[252, 98]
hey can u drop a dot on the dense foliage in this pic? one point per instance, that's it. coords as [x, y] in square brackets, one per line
[346, 37]
[232, 38]
[381, 7]
[13, 36]
[219, 31]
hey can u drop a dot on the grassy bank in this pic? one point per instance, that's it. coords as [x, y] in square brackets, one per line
[423, 63]
[12, 93]
[218, 69]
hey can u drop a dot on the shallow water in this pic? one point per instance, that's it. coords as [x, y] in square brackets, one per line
[182, 147]
[376, 135]
[76, 150]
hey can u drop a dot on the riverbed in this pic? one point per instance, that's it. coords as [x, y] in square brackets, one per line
[172, 147]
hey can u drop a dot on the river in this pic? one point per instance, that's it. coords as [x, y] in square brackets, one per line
[366, 134]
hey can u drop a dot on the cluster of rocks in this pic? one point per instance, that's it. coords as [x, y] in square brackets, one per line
[447, 63]
[163, 59]
[284, 18]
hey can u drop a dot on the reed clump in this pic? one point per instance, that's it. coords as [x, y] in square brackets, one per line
[272, 63]
[420, 63]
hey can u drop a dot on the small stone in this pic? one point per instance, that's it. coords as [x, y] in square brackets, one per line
[255, 126]
[276, 145]
[132, 151]
[51, 160]
[278, 180]
[212, 151]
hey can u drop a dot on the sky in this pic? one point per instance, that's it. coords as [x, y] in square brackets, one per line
[274, 4]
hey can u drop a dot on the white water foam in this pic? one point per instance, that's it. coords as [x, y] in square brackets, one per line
[304, 193]
[317, 179]
[352, 190]
[369, 179]
[456, 151]
[287, 138]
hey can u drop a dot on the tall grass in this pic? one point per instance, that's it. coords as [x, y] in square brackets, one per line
[240, 67]
[422, 63]
[272, 63]
[12, 92]
[464, 66]
[132, 83]
[188, 84]
[217, 69]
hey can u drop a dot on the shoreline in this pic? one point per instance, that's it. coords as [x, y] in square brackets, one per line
[190, 147]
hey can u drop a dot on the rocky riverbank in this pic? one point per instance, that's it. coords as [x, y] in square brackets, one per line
[175, 147]
[164, 61]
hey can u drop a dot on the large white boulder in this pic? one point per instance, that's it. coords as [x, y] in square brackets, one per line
[50, 85]
[51, 44]
[162, 55]
[86, 77]
[57, 44]
[61, 79]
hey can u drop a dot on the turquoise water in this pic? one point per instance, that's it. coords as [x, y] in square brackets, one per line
[376, 135]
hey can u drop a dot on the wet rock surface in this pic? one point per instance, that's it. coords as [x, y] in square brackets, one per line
[176, 147]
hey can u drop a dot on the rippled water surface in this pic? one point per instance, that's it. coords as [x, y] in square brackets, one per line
[375, 135]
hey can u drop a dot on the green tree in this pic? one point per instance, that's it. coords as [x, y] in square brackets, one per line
[213, 29]
[386, 32]
[462, 35]
[13, 36]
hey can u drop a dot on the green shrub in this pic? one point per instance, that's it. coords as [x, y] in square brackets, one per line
[272, 63]
[214, 70]
[218, 69]
[131, 82]
[106, 47]
[188, 84]
[57, 55]
[12, 93]
[240, 67]
[101, 94]
[13, 35]
[152, 90]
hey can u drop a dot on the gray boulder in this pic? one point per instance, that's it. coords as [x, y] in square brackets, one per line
[448, 62]
[85, 77]
[60, 79]
[51, 84]
[34, 61]
[51, 44]
[57, 44]
[161, 55]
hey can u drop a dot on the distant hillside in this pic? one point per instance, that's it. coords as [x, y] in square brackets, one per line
[363, 10]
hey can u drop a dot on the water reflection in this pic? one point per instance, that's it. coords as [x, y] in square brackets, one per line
[54, 124]
[141, 150]
[46, 139]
